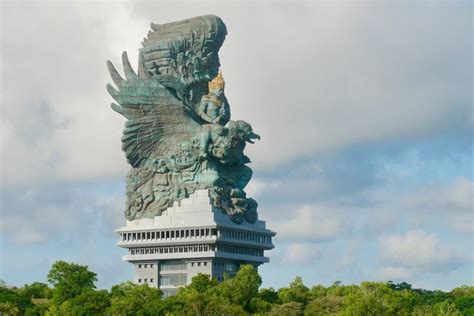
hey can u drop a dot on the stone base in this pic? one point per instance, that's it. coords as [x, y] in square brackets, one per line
[191, 237]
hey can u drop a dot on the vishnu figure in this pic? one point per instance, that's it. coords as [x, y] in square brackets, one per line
[214, 107]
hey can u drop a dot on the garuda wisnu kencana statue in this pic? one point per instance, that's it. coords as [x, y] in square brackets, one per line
[178, 136]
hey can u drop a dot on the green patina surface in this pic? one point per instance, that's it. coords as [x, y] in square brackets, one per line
[178, 136]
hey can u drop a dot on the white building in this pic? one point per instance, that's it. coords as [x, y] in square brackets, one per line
[191, 237]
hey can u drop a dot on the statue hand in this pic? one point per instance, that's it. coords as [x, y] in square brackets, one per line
[203, 156]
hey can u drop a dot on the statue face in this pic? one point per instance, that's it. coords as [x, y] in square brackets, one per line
[218, 92]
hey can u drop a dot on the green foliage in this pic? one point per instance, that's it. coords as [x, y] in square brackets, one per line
[259, 306]
[240, 289]
[422, 310]
[36, 290]
[375, 298]
[73, 294]
[202, 282]
[9, 309]
[445, 308]
[288, 309]
[11, 297]
[296, 292]
[87, 303]
[37, 310]
[131, 299]
[69, 280]
[269, 295]
[325, 305]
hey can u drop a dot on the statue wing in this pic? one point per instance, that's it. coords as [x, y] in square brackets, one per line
[156, 110]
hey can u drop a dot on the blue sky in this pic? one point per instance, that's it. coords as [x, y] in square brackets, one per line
[365, 166]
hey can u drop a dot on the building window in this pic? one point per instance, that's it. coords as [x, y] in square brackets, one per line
[173, 279]
[151, 280]
[230, 267]
[139, 280]
[205, 263]
[139, 266]
[172, 265]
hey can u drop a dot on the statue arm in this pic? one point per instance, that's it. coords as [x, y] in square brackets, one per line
[224, 112]
[202, 110]
[204, 142]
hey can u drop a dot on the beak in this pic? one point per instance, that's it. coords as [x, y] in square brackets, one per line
[253, 136]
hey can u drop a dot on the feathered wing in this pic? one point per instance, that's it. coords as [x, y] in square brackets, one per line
[155, 111]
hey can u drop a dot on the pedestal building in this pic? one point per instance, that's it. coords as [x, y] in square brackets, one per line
[191, 237]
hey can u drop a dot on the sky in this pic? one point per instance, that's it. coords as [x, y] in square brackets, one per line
[365, 108]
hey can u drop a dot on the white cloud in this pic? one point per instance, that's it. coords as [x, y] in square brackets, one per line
[457, 196]
[300, 254]
[56, 121]
[309, 222]
[417, 251]
[453, 202]
[257, 186]
[395, 273]
[40, 215]
[342, 74]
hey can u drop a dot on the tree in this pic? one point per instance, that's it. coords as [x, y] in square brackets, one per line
[399, 286]
[296, 292]
[325, 305]
[259, 306]
[464, 299]
[11, 297]
[36, 290]
[269, 295]
[445, 308]
[422, 310]
[287, 309]
[37, 310]
[240, 289]
[375, 298]
[9, 309]
[132, 299]
[317, 291]
[202, 283]
[69, 280]
[87, 303]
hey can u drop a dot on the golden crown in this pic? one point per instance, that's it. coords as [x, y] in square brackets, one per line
[217, 83]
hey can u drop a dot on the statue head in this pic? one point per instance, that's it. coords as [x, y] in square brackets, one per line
[243, 130]
[216, 85]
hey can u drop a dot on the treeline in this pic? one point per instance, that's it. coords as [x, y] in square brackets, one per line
[72, 292]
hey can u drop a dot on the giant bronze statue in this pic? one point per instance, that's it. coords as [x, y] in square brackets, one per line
[178, 136]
